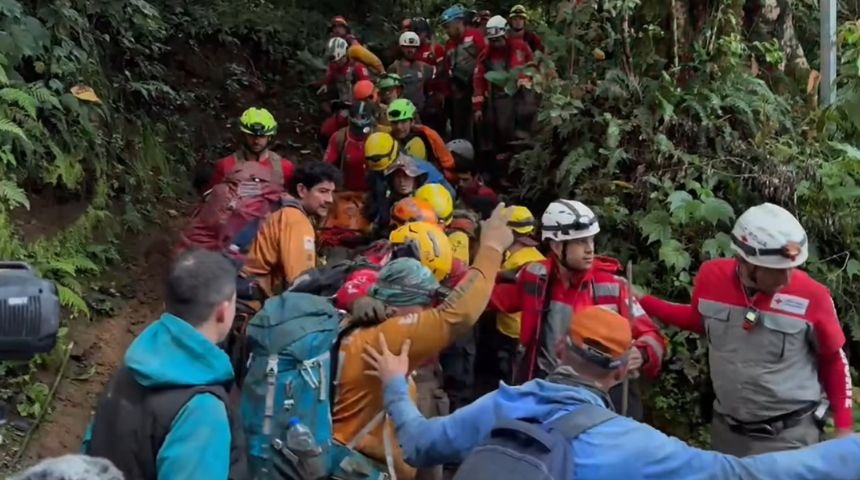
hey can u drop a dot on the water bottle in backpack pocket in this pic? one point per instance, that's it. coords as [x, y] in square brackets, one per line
[518, 449]
[287, 392]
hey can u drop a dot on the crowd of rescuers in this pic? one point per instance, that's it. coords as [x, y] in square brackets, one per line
[273, 360]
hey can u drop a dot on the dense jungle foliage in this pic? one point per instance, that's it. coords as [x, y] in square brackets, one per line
[670, 116]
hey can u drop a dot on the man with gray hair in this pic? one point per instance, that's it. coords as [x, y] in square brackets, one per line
[165, 413]
[71, 467]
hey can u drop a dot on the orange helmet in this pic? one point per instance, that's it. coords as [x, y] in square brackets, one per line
[364, 90]
[412, 209]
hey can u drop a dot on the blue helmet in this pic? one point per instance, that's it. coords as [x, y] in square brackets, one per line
[455, 12]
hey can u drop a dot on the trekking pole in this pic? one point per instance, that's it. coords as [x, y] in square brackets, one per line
[625, 388]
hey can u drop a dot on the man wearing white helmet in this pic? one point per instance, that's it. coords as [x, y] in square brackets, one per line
[775, 341]
[342, 72]
[413, 72]
[551, 292]
[493, 108]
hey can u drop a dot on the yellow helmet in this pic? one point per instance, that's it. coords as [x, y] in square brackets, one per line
[380, 151]
[415, 148]
[522, 221]
[439, 198]
[431, 243]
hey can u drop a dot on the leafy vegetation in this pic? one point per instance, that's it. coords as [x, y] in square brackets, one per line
[670, 153]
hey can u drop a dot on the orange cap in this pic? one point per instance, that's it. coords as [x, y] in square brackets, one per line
[363, 90]
[412, 209]
[600, 336]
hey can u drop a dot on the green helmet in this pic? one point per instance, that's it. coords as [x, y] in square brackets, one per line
[401, 110]
[258, 121]
[389, 80]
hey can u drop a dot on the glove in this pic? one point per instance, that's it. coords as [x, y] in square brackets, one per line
[368, 310]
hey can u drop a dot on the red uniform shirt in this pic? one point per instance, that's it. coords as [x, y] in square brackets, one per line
[347, 153]
[597, 286]
[431, 53]
[514, 54]
[355, 70]
[801, 300]
[228, 163]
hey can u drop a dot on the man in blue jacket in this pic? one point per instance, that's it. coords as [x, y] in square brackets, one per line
[592, 361]
[165, 413]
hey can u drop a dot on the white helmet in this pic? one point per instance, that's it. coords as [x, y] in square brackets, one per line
[409, 39]
[496, 27]
[568, 220]
[769, 236]
[461, 147]
[337, 48]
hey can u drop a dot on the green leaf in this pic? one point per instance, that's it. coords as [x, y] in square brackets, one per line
[715, 209]
[657, 226]
[678, 199]
[13, 195]
[497, 78]
[718, 246]
[72, 300]
[21, 98]
[852, 268]
[672, 254]
[11, 127]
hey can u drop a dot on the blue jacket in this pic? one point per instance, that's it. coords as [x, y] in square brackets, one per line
[434, 175]
[169, 353]
[621, 448]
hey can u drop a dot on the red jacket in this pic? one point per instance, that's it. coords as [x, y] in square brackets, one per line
[596, 286]
[433, 54]
[515, 54]
[354, 70]
[228, 163]
[347, 153]
[471, 40]
[532, 39]
[779, 360]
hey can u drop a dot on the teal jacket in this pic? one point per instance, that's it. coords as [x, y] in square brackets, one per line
[171, 353]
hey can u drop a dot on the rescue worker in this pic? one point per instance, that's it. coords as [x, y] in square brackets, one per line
[440, 199]
[408, 291]
[342, 71]
[495, 110]
[419, 141]
[172, 387]
[517, 18]
[390, 88]
[470, 182]
[594, 355]
[339, 28]
[433, 54]
[362, 91]
[481, 21]
[461, 55]
[381, 152]
[346, 147]
[775, 341]
[414, 73]
[285, 244]
[523, 251]
[258, 126]
[549, 292]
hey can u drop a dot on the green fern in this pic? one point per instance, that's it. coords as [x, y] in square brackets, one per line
[72, 300]
[13, 195]
[8, 126]
[43, 95]
[20, 98]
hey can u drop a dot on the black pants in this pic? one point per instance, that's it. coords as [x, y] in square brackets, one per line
[458, 367]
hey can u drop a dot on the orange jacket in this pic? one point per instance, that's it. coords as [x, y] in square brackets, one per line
[359, 396]
[285, 247]
[437, 153]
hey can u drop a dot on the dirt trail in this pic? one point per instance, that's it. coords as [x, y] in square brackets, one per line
[100, 345]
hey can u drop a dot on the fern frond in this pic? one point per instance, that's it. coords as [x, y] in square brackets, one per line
[13, 195]
[43, 95]
[70, 299]
[10, 127]
[20, 98]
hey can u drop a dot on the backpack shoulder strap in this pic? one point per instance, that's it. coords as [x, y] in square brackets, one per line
[581, 419]
[277, 167]
[341, 141]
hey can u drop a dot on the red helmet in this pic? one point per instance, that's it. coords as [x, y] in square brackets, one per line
[364, 90]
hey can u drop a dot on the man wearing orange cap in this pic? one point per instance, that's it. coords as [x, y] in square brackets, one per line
[571, 407]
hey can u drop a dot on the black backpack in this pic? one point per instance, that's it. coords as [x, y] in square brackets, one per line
[518, 449]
